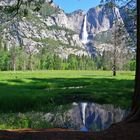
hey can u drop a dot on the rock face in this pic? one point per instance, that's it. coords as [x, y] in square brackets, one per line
[59, 31]
[101, 18]
[35, 31]
[129, 10]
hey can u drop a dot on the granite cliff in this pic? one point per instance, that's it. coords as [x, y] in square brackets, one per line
[49, 26]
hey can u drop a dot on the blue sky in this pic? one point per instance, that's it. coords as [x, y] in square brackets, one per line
[72, 5]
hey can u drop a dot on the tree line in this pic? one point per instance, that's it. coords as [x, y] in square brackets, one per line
[21, 58]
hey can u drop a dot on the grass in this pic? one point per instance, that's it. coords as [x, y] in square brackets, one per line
[45, 90]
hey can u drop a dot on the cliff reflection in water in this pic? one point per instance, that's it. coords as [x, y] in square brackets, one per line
[87, 116]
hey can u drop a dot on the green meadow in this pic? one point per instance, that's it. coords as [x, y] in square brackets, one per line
[45, 90]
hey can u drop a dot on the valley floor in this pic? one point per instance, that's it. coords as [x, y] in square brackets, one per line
[32, 90]
[47, 91]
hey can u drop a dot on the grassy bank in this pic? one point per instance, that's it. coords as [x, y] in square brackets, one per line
[44, 90]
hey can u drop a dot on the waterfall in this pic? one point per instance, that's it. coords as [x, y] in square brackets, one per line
[83, 106]
[84, 31]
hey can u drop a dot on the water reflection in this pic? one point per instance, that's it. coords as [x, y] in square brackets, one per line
[88, 117]
[79, 116]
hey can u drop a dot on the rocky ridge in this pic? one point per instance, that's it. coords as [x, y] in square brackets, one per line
[58, 31]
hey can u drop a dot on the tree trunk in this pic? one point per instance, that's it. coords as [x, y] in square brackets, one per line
[114, 69]
[135, 110]
[29, 67]
[13, 62]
